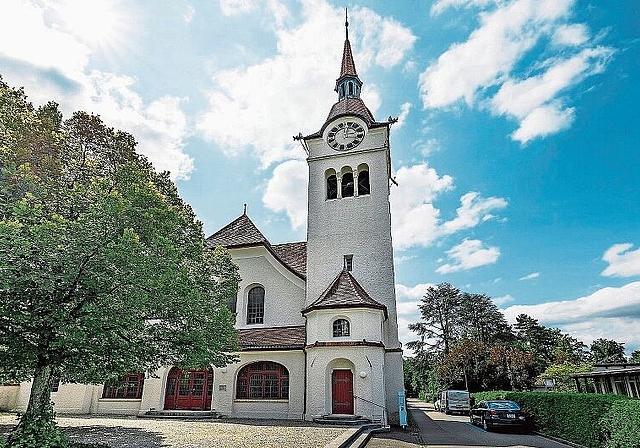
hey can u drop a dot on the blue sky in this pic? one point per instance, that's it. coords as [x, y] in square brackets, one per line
[517, 149]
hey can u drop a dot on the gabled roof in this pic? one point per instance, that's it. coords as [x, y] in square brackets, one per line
[242, 232]
[345, 292]
[294, 255]
[280, 338]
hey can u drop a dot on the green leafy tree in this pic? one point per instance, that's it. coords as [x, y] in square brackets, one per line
[439, 313]
[605, 351]
[560, 374]
[635, 356]
[464, 366]
[514, 367]
[103, 268]
[538, 339]
[479, 319]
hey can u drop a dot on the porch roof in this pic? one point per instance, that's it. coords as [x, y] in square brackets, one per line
[278, 338]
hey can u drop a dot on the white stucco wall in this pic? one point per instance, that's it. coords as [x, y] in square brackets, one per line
[224, 401]
[362, 361]
[284, 291]
[358, 226]
[9, 397]
[364, 323]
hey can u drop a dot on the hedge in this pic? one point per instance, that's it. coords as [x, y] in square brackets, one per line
[592, 420]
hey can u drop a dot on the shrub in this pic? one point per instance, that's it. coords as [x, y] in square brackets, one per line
[572, 416]
[621, 425]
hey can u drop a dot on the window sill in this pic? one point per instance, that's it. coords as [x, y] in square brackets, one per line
[260, 400]
[119, 399]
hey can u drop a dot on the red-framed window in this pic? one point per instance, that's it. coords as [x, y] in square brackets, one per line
[128, 386]
[263, 380]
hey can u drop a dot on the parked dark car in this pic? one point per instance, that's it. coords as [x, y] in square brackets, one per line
[492, 414]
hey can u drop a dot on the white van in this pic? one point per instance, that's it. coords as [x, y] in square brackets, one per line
[455, 401]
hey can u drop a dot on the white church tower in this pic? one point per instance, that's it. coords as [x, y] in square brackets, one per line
[353, 356]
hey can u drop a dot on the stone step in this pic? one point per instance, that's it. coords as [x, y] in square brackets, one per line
[185, 414]
[342, 419]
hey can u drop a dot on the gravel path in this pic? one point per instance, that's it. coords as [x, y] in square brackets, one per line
[164, 433]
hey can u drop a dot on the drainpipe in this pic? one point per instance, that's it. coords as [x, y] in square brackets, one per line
[304, 391]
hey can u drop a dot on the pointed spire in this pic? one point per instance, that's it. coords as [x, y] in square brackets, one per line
[348, 84]
[348, 66]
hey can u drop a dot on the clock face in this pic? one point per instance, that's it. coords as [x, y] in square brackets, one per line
[345, 136]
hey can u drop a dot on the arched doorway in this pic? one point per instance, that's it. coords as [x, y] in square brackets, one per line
[189, 389]
[342, 392]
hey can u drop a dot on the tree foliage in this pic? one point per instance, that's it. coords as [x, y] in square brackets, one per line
[607, 351]
[466, 341]
[103, 268]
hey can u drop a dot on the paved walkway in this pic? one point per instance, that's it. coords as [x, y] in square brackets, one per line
[163, 433]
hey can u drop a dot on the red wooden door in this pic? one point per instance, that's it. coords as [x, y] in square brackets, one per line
[189, 389]
[342, 392]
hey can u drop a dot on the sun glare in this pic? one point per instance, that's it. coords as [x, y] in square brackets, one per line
[97, 23]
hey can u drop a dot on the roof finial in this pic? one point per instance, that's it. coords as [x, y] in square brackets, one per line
[346, 23]
[244, 212]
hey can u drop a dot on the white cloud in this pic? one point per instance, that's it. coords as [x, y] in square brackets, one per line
[439, 6]
[53, 43]
[404, 113]
[530, 276]
[612, 313]
[237, 7]
[604, 303]
[571, 35]
[384, 40]
[412, 293]
[415, 219]
[189, 14]
[473, 210]
[533, 100]
[287, 191]
[417, 222]
[543, 121]
[623, 262]
[469, 254]
[500, 301]
[258, 107]
[504, 38]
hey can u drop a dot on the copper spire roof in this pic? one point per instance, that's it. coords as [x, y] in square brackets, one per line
[345, 292]
[348, 66]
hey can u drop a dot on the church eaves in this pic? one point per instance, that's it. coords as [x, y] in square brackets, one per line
[345, 292]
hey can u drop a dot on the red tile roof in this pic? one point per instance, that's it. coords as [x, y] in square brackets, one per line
[242, 232]
[294, 255]
[281, 338]
[345, 292]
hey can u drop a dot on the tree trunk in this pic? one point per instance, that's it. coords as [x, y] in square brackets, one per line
[37, 423]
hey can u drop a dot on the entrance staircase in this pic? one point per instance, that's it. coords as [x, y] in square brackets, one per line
[342, 420]
[182, 414]
[357, 437]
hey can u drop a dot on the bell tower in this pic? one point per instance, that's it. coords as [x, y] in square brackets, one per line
[349, 249]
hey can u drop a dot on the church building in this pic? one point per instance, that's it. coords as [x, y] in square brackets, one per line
[316, 319]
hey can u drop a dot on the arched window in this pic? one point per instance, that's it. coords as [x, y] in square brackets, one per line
[255, 305]
[347, 184]
[363, 183]
[340, 328]
[332, 184]
[350, 88]
[263, 380]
